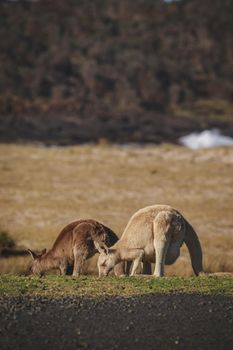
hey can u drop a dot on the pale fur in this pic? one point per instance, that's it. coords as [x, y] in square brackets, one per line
[158, 230]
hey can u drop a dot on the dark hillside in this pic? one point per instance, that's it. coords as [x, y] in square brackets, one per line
[145, 71]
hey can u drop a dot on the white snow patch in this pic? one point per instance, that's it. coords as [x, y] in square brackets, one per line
[206, 139]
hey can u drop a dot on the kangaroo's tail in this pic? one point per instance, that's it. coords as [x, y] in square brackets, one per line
[194, 248]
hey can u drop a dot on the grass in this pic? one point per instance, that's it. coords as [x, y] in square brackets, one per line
[91, 286]
[43, 189]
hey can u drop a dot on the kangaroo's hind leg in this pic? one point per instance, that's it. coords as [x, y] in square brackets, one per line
[161, 251]
[162, 236]
[80, 257]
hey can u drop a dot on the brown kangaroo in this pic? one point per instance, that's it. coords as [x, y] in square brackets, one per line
[77, 242]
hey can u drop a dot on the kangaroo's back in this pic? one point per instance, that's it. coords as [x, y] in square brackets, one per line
[140, 225]
[66, 234]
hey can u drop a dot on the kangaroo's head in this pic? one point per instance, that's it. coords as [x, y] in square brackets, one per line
[106, 261]
[37, 267]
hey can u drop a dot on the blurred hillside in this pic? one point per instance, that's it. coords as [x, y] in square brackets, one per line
[140, 71]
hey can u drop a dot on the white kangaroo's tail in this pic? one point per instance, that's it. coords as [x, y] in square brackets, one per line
[194, 248]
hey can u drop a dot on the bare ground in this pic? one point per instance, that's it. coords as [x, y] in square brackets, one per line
[187, 321]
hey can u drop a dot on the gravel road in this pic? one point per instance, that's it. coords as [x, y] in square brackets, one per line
[139, 322]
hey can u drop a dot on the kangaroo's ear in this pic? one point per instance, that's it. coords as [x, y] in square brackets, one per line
[33, 254]
[43, 251]
[101, 248]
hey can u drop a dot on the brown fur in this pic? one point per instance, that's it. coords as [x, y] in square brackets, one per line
[75, 243]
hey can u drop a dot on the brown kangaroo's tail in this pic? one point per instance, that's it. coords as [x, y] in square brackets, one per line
[194, 248]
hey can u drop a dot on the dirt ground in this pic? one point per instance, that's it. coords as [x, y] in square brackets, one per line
[187, 321]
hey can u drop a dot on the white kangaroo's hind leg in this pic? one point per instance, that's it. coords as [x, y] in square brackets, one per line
[161, 251]
[162, 228]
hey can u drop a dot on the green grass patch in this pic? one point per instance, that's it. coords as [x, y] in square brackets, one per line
[91, 286]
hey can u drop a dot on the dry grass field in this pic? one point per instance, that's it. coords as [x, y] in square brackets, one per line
[43, 189]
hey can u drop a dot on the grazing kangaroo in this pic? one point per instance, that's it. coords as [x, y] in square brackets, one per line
[77, 242]
[153, 235]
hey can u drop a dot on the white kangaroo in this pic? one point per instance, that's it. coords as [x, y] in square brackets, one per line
[153, 235]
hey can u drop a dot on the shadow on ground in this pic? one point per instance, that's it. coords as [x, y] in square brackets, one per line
[156, 321]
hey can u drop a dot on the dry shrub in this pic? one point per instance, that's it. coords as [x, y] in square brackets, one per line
[5, 240]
